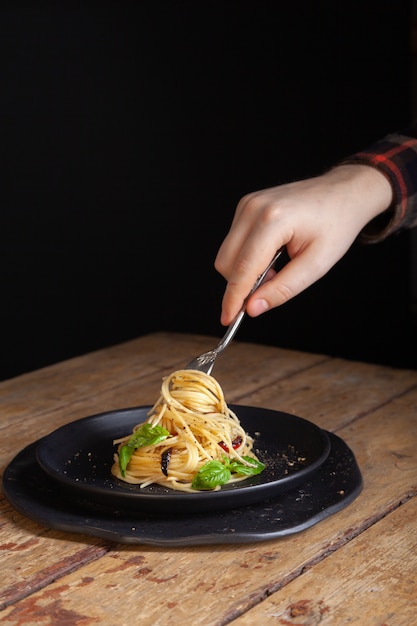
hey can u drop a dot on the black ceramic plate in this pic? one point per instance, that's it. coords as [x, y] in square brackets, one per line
[79, 457]
[330, 489]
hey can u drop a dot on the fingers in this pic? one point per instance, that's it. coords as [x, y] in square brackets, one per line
[249, 265]
[298, 274]
[311, 264]
[237, 291]
[243, 224]
[245, 252]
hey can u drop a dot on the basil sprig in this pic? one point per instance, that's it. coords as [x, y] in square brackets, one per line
[216, 473]
[145, 435]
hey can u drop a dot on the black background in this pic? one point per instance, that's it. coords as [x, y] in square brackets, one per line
[129, 131]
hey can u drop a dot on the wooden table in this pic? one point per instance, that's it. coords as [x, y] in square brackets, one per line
[358, 566]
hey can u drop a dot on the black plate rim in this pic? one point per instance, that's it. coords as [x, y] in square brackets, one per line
[149, 499]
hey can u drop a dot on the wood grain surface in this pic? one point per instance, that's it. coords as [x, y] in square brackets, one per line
[358, 566]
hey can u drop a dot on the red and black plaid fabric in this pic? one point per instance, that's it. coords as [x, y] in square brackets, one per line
[395, 156]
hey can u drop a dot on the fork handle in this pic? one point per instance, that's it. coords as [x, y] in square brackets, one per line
[231, 330]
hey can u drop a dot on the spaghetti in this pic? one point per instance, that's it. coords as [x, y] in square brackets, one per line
[191, 440]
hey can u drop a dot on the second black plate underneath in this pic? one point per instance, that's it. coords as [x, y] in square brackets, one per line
[335, 484]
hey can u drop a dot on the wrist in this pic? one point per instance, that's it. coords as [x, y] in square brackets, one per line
[364, 187]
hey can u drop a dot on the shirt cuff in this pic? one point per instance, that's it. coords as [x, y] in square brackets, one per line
[395, 156]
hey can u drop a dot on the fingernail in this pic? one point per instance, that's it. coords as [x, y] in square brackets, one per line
[259, 306]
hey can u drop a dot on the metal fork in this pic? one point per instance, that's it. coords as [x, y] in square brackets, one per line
[205, 362]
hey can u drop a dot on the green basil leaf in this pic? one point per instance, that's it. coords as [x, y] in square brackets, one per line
[210, 475]
[125, 454]
[255, 467]
[145, 435]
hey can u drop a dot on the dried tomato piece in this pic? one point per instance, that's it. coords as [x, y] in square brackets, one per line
[235, 443]
[165, 459]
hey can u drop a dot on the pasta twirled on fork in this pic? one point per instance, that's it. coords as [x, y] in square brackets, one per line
[190, 440]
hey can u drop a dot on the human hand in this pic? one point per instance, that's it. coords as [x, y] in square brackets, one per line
[317, 221]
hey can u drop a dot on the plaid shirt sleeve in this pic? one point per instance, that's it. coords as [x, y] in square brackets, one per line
[396, 157]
